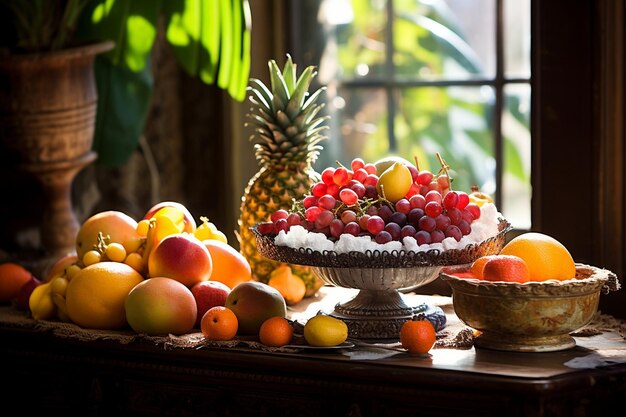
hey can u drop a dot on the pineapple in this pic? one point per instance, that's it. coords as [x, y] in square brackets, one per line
[287, 133]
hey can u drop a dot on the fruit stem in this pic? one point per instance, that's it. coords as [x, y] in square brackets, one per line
[444, 167]
[382, 191]
[102, 242]
[417, 165]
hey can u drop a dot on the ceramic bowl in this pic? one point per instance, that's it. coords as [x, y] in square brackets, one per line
[528, 317]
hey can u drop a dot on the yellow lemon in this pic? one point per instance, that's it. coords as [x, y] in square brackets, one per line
[324, 331]
[395, 182]
[480, 198]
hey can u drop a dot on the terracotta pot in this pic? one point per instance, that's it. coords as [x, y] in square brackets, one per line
[47, 118]
[48, 104]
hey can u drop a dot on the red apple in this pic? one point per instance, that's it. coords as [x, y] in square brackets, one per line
[25, 291]
[182, 257]
[209, 294]
[177, 212]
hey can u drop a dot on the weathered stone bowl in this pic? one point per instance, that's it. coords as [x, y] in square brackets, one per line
[528, 317]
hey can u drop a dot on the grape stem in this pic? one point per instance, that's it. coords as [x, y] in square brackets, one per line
[417, 165]
[102, 242]
[445, 168]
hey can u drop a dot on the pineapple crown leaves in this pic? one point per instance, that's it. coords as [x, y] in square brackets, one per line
[287, 125]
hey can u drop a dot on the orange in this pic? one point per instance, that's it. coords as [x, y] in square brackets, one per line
[12, 277]
[546, 257]
[479, 264]
[95, 296]
[276, 331]
[418, 336]
[230, 267]
[219, 323]
[289, 285]
[506, 268]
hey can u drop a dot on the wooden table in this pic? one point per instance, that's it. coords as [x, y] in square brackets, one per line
[49, 372]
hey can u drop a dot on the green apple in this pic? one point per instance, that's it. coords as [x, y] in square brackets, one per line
[254, 302]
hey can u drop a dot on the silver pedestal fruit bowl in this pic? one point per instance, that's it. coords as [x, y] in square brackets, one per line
[378, 310]
[528, 317]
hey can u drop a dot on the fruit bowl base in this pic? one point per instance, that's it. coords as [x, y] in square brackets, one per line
[379, 315]
[378, 310]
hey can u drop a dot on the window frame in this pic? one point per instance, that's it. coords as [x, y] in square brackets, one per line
[498, 83]
[577, 44]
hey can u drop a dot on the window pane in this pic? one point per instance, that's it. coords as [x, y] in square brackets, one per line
[381, 105]
[517, 38]
[456, 123]
[444, 39]
[358, 126]
[516, 189]
[354, 46]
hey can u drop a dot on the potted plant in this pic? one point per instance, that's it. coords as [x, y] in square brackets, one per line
[100, 51]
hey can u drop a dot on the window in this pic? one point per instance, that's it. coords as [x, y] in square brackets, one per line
[419, 77]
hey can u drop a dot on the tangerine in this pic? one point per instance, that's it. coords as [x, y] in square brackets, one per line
[219, 323]
[276, 331]
[95, 296]
[479, 265]
[12, 277]
[545, 256]
[418, 336]
[507, 268]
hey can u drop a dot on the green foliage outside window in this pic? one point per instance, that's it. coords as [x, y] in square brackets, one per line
[455, 120]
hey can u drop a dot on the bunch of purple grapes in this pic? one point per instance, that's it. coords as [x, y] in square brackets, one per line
[346, 201]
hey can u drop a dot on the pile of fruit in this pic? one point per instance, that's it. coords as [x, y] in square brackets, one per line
[115, 253]
[387, 201]
[529, 257]
[163, 275]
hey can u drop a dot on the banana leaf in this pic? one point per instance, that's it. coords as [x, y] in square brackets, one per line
[208, 37]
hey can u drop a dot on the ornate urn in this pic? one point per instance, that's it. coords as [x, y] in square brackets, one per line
[47, 117]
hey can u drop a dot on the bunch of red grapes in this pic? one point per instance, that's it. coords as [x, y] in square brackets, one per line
[346, 201]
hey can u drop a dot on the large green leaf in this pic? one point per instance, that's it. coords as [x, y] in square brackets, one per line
[193, 29]
[131, 24]
[123, 105]
[211, 40]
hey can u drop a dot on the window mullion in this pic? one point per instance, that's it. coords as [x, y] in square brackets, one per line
[390, 72]
[499, 99]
